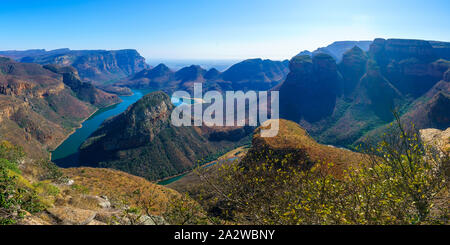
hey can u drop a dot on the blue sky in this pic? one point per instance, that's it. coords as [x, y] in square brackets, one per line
[215, 29]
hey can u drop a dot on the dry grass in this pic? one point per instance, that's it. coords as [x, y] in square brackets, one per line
[293, 137]
[121, 187]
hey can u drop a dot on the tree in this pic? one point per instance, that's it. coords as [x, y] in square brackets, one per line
[401, 181]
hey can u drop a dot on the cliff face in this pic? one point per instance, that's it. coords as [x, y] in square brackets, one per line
[311, 88]
[97, 66]
[411, 65]
[37, 110]
[84, 91]
[352, 68]
[431, 110]
[357, 97]
[142, 141]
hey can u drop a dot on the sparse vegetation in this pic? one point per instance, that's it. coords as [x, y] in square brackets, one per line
[16, 196]
[400, 181]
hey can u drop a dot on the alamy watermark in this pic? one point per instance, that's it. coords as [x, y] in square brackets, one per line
[233, 113]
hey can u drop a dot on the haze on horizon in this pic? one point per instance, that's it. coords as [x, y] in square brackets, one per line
[202, 29]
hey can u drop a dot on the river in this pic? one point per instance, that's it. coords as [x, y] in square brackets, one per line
[66, 155]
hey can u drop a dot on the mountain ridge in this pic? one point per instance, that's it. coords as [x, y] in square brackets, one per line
[95, 66]
[142, 141]
[393, 74]
[252, 74]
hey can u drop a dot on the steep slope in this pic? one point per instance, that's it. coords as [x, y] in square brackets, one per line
[142, 141]
[432, 109]
[84, 91]
[37, 110]
[407, 75]
[412, 66]
[41, 106]
[310, 90]
[97, 66]
[352, 68]
[437, 138]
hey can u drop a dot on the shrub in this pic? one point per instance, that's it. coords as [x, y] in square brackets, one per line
[401, 181]
[16, 196]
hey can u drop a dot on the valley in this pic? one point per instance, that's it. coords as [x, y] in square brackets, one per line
[96, 125]
[66, 154]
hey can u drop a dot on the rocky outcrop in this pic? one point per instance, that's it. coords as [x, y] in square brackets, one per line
[384, 50]
[376, 93]
[407, 75]
[84, 91]
[411, 65]
[352, 68]
[86, 203]
[35, 103]
[310, 90]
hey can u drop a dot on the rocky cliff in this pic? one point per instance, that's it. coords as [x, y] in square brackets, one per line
[97, 66]
[84, 91]
[38, 109]
[341, 104]
[310, 90]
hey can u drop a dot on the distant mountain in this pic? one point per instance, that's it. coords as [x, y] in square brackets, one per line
[253, 74]
[340, 103]
[142, 141]
[96, 66]
[39, 107]
[337, 49]
[256, 74]
[177, 64]
[19, 54]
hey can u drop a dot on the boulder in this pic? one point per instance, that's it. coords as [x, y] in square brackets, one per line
[437, 138]
[152, 220]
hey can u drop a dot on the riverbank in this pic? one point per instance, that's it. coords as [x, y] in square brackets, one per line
[73, 131]
[66, 153]
[81, 124]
